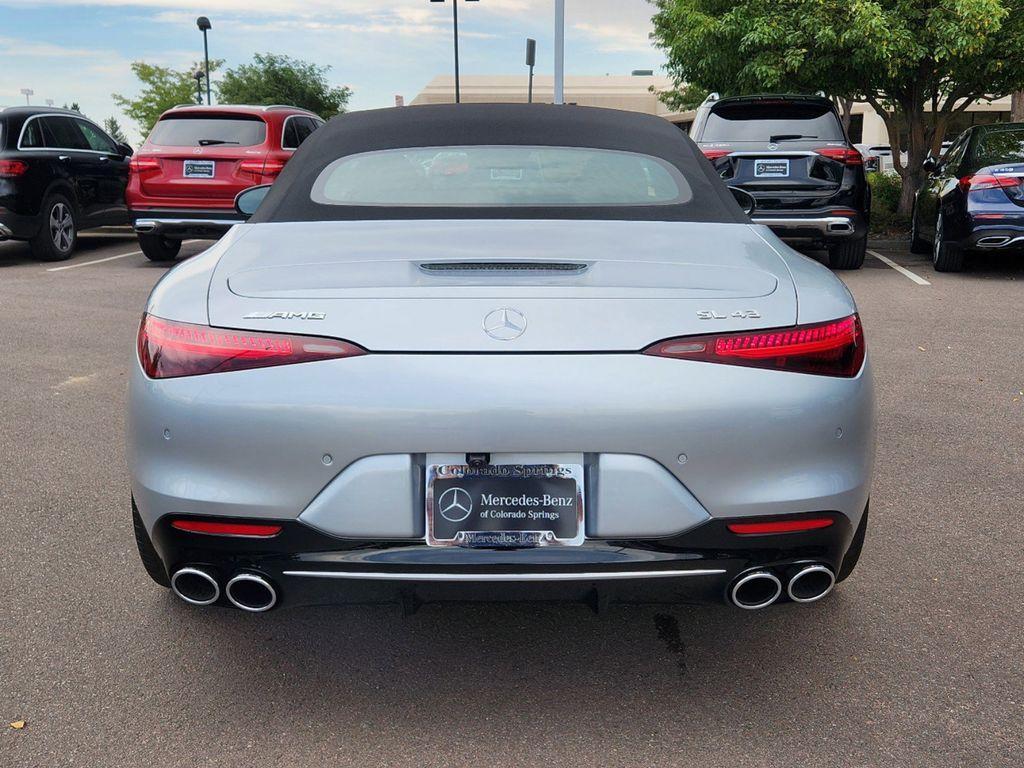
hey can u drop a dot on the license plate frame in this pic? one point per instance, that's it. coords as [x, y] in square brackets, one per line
[771, 168]
[199, 169]
[504, 525]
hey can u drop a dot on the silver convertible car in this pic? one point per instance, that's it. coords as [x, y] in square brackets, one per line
[499, 352]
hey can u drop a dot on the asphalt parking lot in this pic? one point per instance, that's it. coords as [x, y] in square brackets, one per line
[916, 660]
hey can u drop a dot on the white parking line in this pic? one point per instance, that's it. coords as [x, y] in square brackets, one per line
[902, 270]
[108, 258]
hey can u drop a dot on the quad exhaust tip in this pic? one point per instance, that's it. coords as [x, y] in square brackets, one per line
[251, 593]
[195, 586]
[811, 584]
[756, 590]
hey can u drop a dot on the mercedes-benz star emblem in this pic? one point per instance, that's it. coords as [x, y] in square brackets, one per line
[455, 505]
[505, 324]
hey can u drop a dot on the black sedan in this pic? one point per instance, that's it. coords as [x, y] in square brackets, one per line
[973, 199]
[60, 173]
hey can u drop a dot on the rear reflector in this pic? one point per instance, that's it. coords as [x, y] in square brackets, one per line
[845, 155]
[168, 349]
[11, 169]
[827, 349]
[260, 530]
[781, 526]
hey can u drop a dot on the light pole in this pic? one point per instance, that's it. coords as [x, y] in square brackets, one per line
[455, 27]
[531, 60]
[559, 51]
[198, 75]
[204, 26]
[26, 92]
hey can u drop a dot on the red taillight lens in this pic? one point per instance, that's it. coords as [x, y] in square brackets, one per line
[828, 349]
[258, 530]
[144, 165]
[845, 155]
[780, 526]
[168, 349]
[12, 169]
[986, 181]
[271, 170]
[252, 168]
[714, 154]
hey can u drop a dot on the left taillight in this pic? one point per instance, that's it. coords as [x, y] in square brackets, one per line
[170, 349]
[828, 349]
[144, 165]
[12, 169]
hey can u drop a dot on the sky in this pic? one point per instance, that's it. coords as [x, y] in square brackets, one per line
[81, 50]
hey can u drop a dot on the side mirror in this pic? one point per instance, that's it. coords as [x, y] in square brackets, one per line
[248, 200]
[745, 200]
[125, 150]
[930, 164]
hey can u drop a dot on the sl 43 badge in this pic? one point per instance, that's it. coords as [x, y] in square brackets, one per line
[285, 316]
[740, 314]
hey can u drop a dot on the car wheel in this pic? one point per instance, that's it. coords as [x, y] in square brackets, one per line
[147, 553]
[856, 547]
[58, 234]
[917, 243]
[848, 255]
[157, 248]
[947, 257]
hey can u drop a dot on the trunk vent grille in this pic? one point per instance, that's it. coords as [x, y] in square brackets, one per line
[534, 267]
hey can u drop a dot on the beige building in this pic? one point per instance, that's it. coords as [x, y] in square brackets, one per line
[638, 93]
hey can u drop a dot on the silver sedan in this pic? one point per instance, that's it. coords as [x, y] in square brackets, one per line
[499, 351]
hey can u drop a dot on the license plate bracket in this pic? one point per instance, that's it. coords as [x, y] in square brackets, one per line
[504, 505]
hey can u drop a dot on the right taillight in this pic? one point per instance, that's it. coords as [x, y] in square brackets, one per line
[169, 349]
[835, 348]
[845, 155]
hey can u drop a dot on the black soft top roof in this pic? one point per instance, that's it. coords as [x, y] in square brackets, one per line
[497, 124]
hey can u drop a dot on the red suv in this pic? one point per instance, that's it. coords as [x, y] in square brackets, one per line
[183, 181]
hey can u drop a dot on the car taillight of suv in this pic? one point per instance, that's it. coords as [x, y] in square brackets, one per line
[184, 179]
[793, 156]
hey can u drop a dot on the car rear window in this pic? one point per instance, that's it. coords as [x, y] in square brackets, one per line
[760, 121]
[1001, 145]
[206, 131]
[501, 175]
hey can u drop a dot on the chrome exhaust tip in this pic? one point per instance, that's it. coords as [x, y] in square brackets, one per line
[195, 586]
[251, 593]
[811, 584]
[993, 241]
[756, 590]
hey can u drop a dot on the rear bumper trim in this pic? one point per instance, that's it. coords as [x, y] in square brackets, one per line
[5, 232]
[170, 227]
[831, 226]
[520, 577]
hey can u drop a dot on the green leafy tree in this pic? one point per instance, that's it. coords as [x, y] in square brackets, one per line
[917, 62]
[73, 106]
[113, 128]
[162, 88]
[276, 79]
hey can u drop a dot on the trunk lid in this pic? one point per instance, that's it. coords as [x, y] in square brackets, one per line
[427, 286]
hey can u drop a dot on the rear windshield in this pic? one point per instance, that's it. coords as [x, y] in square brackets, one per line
[1000, 146]
[761, 121]
[507, 176]
[188, 131]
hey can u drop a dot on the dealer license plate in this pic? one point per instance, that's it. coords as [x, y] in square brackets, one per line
[199, 169]
[771, 169]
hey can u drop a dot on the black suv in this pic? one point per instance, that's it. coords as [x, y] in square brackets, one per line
[792, 154]
[60, 173]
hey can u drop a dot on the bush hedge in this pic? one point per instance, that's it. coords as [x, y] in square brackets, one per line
[885, 199]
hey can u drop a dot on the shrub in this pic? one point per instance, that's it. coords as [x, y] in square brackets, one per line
[885, 199]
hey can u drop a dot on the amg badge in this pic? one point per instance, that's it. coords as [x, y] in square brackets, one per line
[285, 316]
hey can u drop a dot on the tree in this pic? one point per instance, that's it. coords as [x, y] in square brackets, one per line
[113, 128]
[917, 62]
[73, 107]
[162, 89]
[277, 79]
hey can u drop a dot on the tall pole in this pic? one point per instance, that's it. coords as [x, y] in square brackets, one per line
[455, 26]
[531, 59]
[206, 57]
[559, 51]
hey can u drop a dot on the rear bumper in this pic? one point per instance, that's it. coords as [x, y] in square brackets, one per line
[306, 567]
[827, 227]
[995, 238]
[14, 226]
[185, 224]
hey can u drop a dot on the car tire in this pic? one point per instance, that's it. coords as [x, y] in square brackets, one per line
[147, 553]
[856, 547]
[918, 244]
[157, 248]
[946, 256]
[848, 255]
[58, 233]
